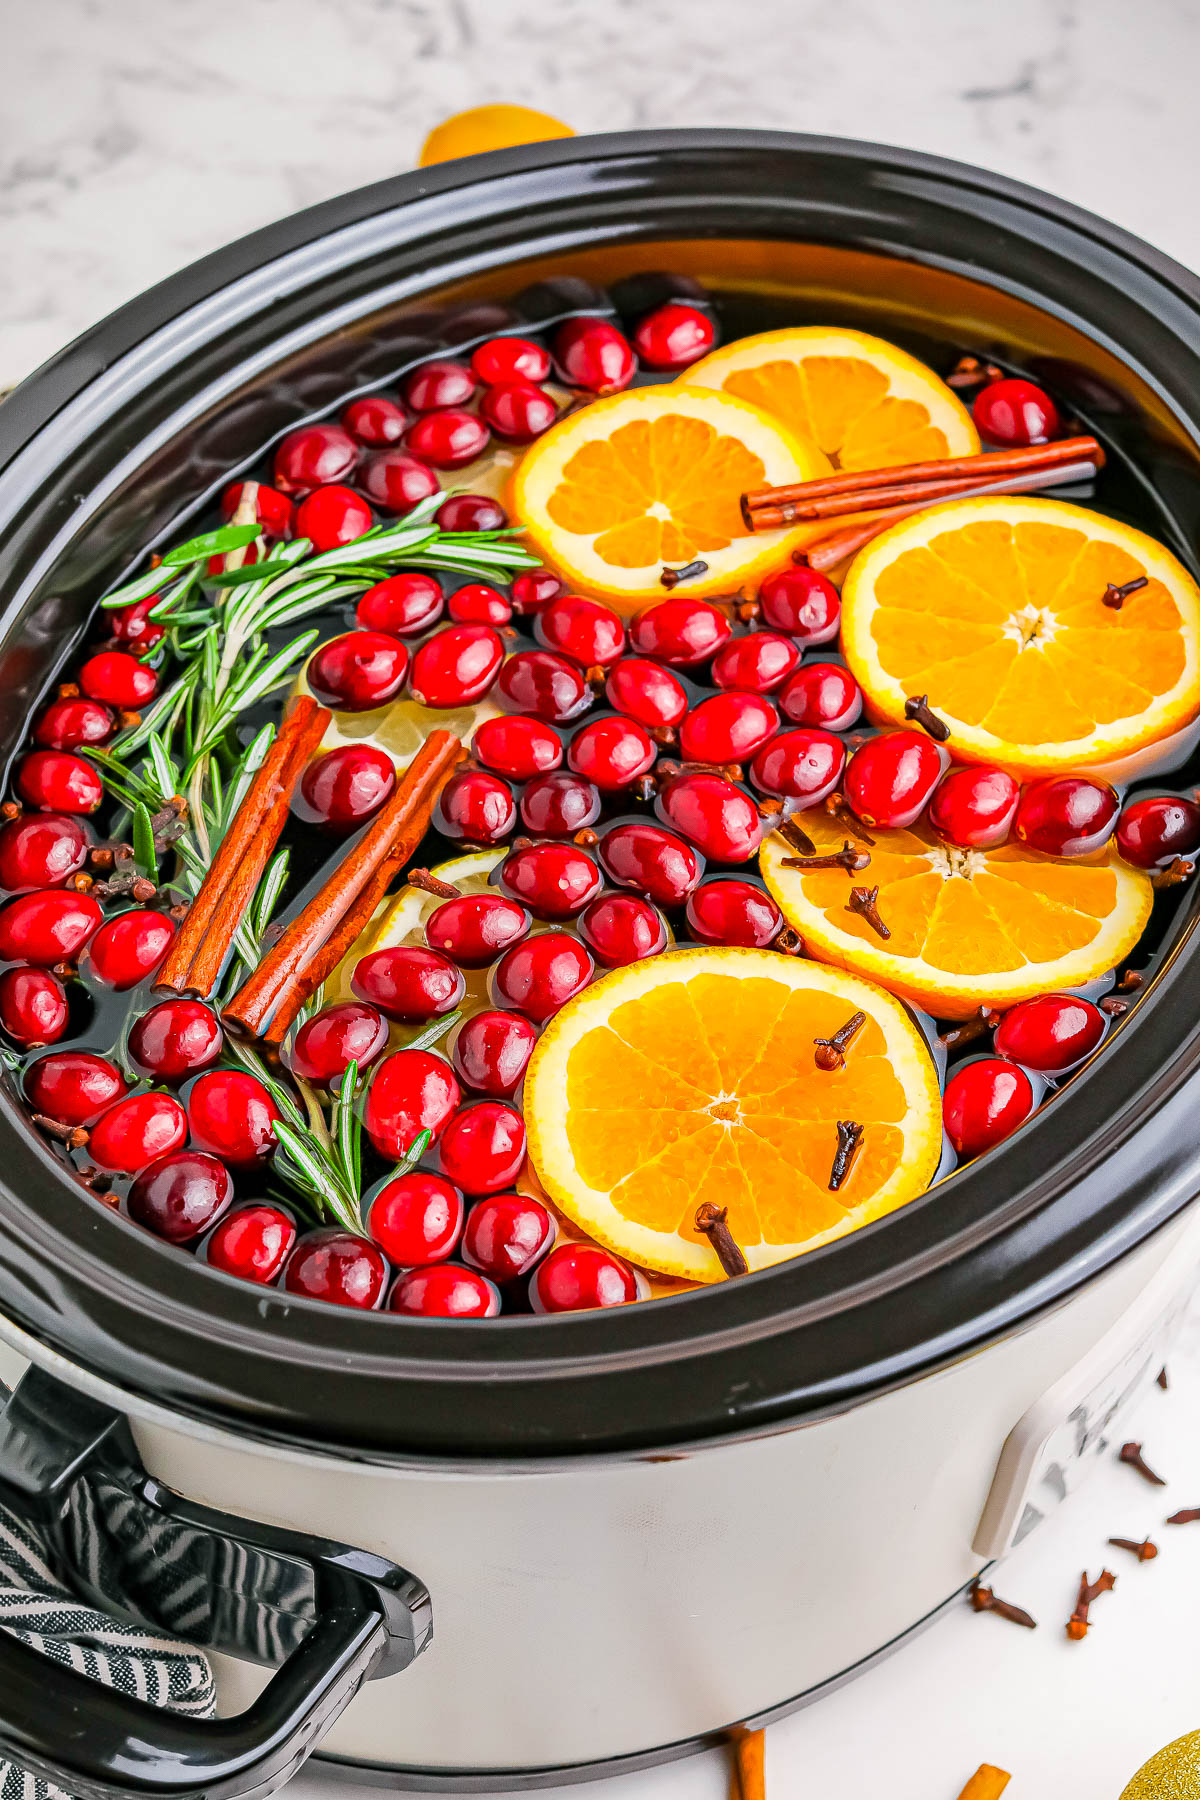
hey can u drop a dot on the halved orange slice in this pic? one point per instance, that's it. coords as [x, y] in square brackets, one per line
[692, 1077]
[995, 608]
[969, 928]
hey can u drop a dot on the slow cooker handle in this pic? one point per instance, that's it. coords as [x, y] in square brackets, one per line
[361, 1615]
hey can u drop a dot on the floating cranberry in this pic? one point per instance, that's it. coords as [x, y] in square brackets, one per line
[555, 881]
[584, 630]
[506, 1234]
[333, 516]
[408, 983]
[656, 862]
[714, 814]
[476, 806]
[136, 1131]
[403, 604]
[558, 805]
[374, 421]
[445, 1292]
[577, 1277]
[346, 786]
[801, 602]
[622, 928]
[416, 1218]
[40, 850]
[126, 949]
[470, 512]
[133, 624]
[611, 752]
[397, 481]
[71, 724]
[517, 411]
[359, 670]
[1050, 1033]
[1154, 831]
[438, 384]
[475, 603]
[518, 747]
[272, 509]
[252, 1243]
[542, 974]
[727, 727]
[974, 808]
[492, 1050]
[1066, 815]
[647, 692]
[673, 336]
[179, 1196]
[33, 1007]
[510, 359]
[312, 457]
[47, 927]
[756, 663]
[545, 684]
[824, 694]
[1015, 412]
[804, 764]
[232, 1115]
[984, 1103]
[593, 355]
[175, 1039]
[457, 666]
[727, 911]
[326, 1045]
[448, 439]
[534, 589]
[680, 632]
[411, 1092]
[73, 1087]
[338, 1267]
[483, 1147]
[56, 781]
[477, 928]
[890, 778]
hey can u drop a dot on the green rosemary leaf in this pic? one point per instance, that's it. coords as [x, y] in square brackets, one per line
[432, 1033]
[412, 1155]
[161, 717]
[140, 588]
[274, 671]
[144, 853]
[211, 543]
[165, 772]
[251, 1060]
[269, 889]
[346, 1126]
[297, 1159]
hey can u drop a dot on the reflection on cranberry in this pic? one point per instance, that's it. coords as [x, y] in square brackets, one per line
[336, 1266]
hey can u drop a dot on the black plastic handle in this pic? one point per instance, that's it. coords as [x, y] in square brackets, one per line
[329, 1617]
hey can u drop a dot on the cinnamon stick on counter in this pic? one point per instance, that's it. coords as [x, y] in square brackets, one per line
[748, 1764]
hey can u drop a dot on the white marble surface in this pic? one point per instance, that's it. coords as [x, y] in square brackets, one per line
[136, 135]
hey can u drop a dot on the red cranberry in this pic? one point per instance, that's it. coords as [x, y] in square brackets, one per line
[438, 384]
[622, 928]
[542, 974]
[577, 1277]
[889, 778]
[611, 752]
[656, 862]
[559, 805]
[555, 881]
[823, 694]
[672, 336]
[1066, 815]
[974, 808]
[48, 927]
[179, 1196]
[272, 509]
[540, 682]
[397, 481]
[510, 359]
[375, 421]
[345, 786]
[136, 1131]
[584, 630]
[492, 1050]
[714, 814]
[517, 411]
[800, 765]
[408, 983]
[115, 678]
[133, 624]
[41, 850]
[1154, 831]
[70, 724]
[1050, 1033]
[416, 1218]
[476, 928]
[252, 1243]
[801, 602]
[680, 632]
[126, 949]
[733, 912]
[475, 603]
[232, 1115]
[411, 1092]
[984, 1103]
[1015, 412]
[517, 747]
[358, 670]
[312, 457]
[56, 781]
[337, 1267]
[476, 806]
[457, 666]
[404, 603]
[647, 692]
[335, 1037]
[445, 1292]
[593, 355]
[534, 589]
[333, 516]
[448, 439]
[470, 512]
[727, 728]
[175, 1039]
[755, 664]
[33, 1006]
[506, 1234]
[73, 1087]
[483, 1147]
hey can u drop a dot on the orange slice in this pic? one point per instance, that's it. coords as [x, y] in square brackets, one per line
[995, 609]
[482, 128]
[692, 1077]
[969, 928]
[651, 479]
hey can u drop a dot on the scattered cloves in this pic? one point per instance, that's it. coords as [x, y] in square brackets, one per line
[848, 858]
[788, 942]
[1187, 1515]
[1145, 1551]
[985, 1020]
[1130, 981]
[835, 806]
[712, 1221]
[1077, 1624]
[918, 709]
[850, 1136]
[73, 1136]
[671, 578]
[1174, 875]
[792, 834]
[1161, 1378]
[1132, 1454]
[1115, 1007]
[1115, 596]
[432, 884]
[830, 1052]
[585, 837]
[862, 901]
[969, 372]
[984, 1600]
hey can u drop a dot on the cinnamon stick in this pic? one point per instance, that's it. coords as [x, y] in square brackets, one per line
[748, 1764]
[194, 960]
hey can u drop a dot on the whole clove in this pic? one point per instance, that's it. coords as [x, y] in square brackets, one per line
[969, 372]
[1115, 596]
[792, 834]
[712, 1221]
[788, 942]
[985, 1020]
[432, 884]
[835, 806]
[848, 858]
[1077, 1624]
[74, 1137]
[671, 578]
[1187, 1515]
[863, 901]
[1161, 1378]
[831, 1051]
[918, 709]
[1175, 874]
[983, 1599]
[1144, 1551]
[1132, 1454]
[1129, 981]
[1114, 1007]
[850, 1137]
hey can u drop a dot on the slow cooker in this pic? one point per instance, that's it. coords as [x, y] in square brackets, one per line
[451, 1555]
